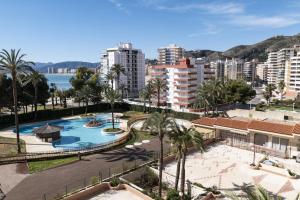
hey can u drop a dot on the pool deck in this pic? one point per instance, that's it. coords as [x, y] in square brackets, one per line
[35, 145]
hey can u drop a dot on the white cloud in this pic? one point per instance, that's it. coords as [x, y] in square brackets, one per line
[208, 29]
[119, 6]
[264, 21]
[213, 8]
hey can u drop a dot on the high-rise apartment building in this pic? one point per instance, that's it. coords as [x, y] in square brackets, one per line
[133, 60]
[182, 80]
[233, 69]
[292, 73]
[218, 67]
[170, 55]
[249, 71]
[262, 71]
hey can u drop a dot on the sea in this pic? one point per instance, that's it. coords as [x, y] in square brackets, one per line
[61, 80]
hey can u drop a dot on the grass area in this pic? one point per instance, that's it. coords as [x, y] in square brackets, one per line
[37, 166]
[274, 107]
[132, 114]
[8, 146]
[139, 136]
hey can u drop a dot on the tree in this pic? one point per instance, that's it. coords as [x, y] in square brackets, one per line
[35, 78]
[53, 89]
[117, 70]
[123, 89]
[12, 63]
[159, 85]
[112, 97]
[158, 123]
[280, 87]
[110, 77]
[85, 93]
[144, 95]
[189, 137]
[268, 92]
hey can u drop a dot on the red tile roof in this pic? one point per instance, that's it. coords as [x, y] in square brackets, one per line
[206, 121]
[232, 123]
[236, 123]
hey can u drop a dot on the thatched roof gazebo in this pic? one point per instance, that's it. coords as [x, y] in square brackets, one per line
[48, 133]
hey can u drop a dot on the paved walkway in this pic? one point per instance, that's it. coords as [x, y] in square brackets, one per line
[54, 180]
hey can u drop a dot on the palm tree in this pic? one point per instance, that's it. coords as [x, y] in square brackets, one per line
[158, 123]
[144, 95]
[123, 89]
[149, 90]
[110, 76]
[176, 137]
[12, 63]
[86, 94]
[268, 92]
[256, 192]
[53, 89]
[158, 85]
[118, 69]
[281, 86]
[35, 78]
[189, 137]
[112, 97]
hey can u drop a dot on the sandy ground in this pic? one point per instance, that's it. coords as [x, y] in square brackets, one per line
[116, 195]
[11, 175]
[226, 167]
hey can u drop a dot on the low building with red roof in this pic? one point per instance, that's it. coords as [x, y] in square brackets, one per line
[273, 137]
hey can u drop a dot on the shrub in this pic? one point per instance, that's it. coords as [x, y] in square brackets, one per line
[291, 173]
[149, 179]
[94, 180]
[173, 195]
[260, 107]
[114, 182]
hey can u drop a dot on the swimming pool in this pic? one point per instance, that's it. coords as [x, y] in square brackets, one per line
[74, 135]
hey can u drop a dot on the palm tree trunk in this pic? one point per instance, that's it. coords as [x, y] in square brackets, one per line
[112, 116]
[144, 105]
[52, 101]
[86, 107]
[15, 96]
[149, 104]
[35, 101]
[178, 170]
[158, 98]
[183, 172]
[161, 160]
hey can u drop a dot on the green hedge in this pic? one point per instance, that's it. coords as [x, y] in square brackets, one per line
[179, 115]
[8, 120]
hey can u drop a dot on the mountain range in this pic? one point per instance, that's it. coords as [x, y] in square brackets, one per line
[43, 67]
[259, 50]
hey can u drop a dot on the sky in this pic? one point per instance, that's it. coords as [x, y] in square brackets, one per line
[79, 30]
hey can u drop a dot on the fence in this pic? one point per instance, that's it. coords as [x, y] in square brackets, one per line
[103, 175]
[65, 152]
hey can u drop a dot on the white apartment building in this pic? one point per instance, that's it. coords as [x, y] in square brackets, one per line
[262, 71]
[170, 55]
[218, 67]
[233, 69]
[133, 61]
[277, 62]
[249, 71]
[292, 73]
[182, 80]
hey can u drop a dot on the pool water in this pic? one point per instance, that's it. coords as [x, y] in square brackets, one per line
[74, 135]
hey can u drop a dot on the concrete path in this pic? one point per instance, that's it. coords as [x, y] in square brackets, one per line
[11, 175]
[52, 181]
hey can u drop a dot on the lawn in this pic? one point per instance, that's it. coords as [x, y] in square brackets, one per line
[8, 146]
[37, 166]
[139, 136]
[132, 114]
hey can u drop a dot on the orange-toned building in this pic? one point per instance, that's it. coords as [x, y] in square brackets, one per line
[272, 137]
[182, 81]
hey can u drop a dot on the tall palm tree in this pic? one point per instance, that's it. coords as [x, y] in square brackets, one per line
[110, 76]
[144, 95]
[159, 123]
[268, 92]
[159, 85]
[112, 97]
[149, 90]
[118, 69]
[35, 78]
[176, 137]
[281, 86]
[189, 137]
[123, 89]
[12, 63]
[85, 93]
[53, 89]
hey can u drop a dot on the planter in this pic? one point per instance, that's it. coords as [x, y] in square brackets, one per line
[113, 132]
[118, 187]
